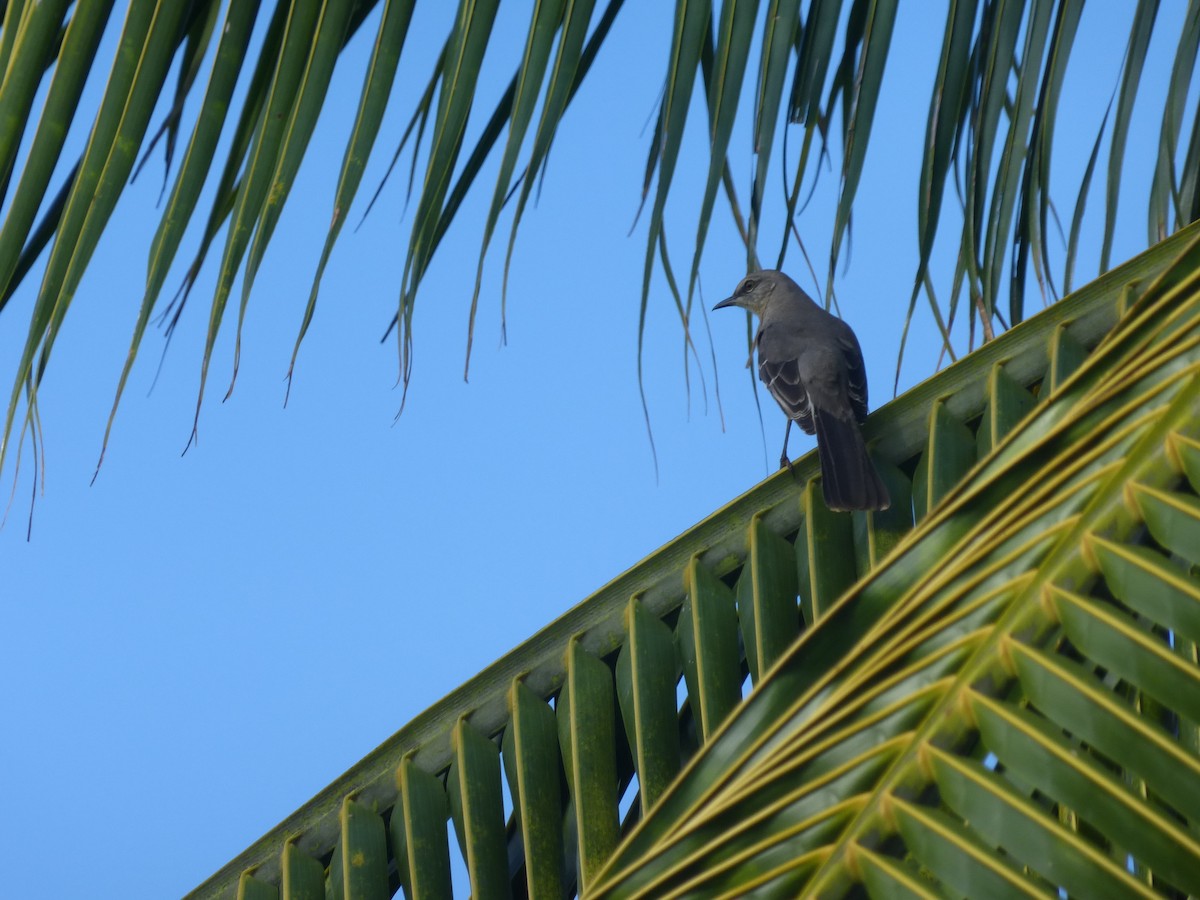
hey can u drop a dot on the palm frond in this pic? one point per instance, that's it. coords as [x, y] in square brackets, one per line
[1017, 656]
[985, 688]
[838, 62]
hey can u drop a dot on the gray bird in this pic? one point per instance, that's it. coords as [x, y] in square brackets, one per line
[811, 363]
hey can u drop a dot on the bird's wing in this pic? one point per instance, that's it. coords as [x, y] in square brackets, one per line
[779, 370]
[856, 371]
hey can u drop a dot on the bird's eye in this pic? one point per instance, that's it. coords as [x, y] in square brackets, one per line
[747, 286]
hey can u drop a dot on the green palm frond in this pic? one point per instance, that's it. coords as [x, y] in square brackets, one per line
[991, 689]
[1009, 702]
[992, 121]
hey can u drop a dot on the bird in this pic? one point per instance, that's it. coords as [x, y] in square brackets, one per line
[811, 362]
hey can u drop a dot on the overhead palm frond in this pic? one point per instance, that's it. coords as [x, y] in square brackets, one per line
[991, 687]
[997, 138]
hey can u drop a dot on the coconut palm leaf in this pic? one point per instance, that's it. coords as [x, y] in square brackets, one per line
[990, 690]
[1011, 664]
[837, 57]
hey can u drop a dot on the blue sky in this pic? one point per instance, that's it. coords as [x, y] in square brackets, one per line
[194, 646]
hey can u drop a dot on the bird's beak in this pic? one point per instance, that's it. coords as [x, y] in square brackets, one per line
[728, 301]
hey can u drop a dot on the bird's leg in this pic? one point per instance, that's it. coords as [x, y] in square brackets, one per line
[784, 461]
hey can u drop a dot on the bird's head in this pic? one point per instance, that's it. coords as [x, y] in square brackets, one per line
[756, 290]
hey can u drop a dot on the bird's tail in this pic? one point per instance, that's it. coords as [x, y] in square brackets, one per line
[848, 477]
